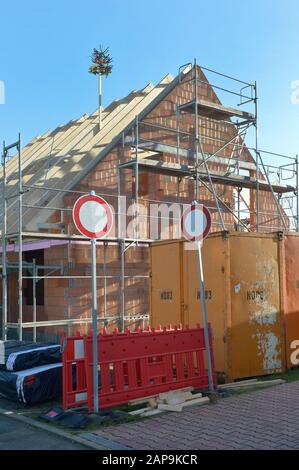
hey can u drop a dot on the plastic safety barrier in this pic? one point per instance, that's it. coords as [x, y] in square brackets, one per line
[137, 364]
[74, 385]
[133, 365]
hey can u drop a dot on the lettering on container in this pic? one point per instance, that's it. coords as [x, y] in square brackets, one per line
[208, 294]
[166, 295]
[256, 295]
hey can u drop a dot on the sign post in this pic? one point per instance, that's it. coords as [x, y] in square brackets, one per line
[196, 224]
[94, 313]
[93, 218]
[205, 318]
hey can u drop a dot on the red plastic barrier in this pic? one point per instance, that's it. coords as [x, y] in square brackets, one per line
[143, 363]
[74, 385]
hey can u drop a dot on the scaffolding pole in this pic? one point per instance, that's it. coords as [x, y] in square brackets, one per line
[177, 114]
[256, 159]
[105, 278]
[122, 285]
[4, 256]
[20, 225]
[196, 117]
[34, 282]
[137, 178]
[119, 218]
[239, 207]
[121, 243]
[297, 194]
[4, 235]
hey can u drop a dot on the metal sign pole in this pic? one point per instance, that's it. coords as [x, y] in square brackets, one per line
[94, 326]
[205, 320]
[93, 242]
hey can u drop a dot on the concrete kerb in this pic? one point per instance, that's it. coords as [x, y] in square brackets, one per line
[50, 429]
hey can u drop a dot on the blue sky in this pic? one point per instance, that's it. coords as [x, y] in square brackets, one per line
[45, 52]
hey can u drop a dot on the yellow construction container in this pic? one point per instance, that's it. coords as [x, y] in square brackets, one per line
[243, 279]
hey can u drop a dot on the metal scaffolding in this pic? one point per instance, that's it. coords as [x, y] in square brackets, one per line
[144, 145]
[194, 163]
[50, 271]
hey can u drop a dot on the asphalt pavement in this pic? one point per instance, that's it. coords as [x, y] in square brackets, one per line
[15, 435]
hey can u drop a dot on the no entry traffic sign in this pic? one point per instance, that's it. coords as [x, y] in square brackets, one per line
[196, 222]
[92, 216]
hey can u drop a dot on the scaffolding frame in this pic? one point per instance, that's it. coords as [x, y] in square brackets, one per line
[20, 235]
[104, 320]
[198, 171]
[6, 148]
[206, 178]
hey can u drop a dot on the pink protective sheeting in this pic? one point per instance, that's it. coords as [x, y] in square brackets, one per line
[44, 244]
[38, 245]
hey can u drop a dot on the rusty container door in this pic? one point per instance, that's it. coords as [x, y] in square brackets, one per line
[215, 254]
[166, 300]
[243, 284]
[291, 295]
[257, 335]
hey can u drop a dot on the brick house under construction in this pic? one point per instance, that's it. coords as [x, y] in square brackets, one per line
[173, 143]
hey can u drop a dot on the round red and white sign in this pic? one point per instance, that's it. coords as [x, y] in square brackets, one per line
[196, 222]
[92, 216]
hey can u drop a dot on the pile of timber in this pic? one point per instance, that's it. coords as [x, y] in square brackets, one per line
[175, 400]
[179, 400]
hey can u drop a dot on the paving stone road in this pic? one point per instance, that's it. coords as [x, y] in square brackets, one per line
[264, 419]
[15, 435]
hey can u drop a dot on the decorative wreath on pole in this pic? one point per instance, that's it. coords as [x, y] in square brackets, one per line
[101, 62]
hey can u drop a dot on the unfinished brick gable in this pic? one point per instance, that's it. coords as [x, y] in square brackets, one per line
[159, 187]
